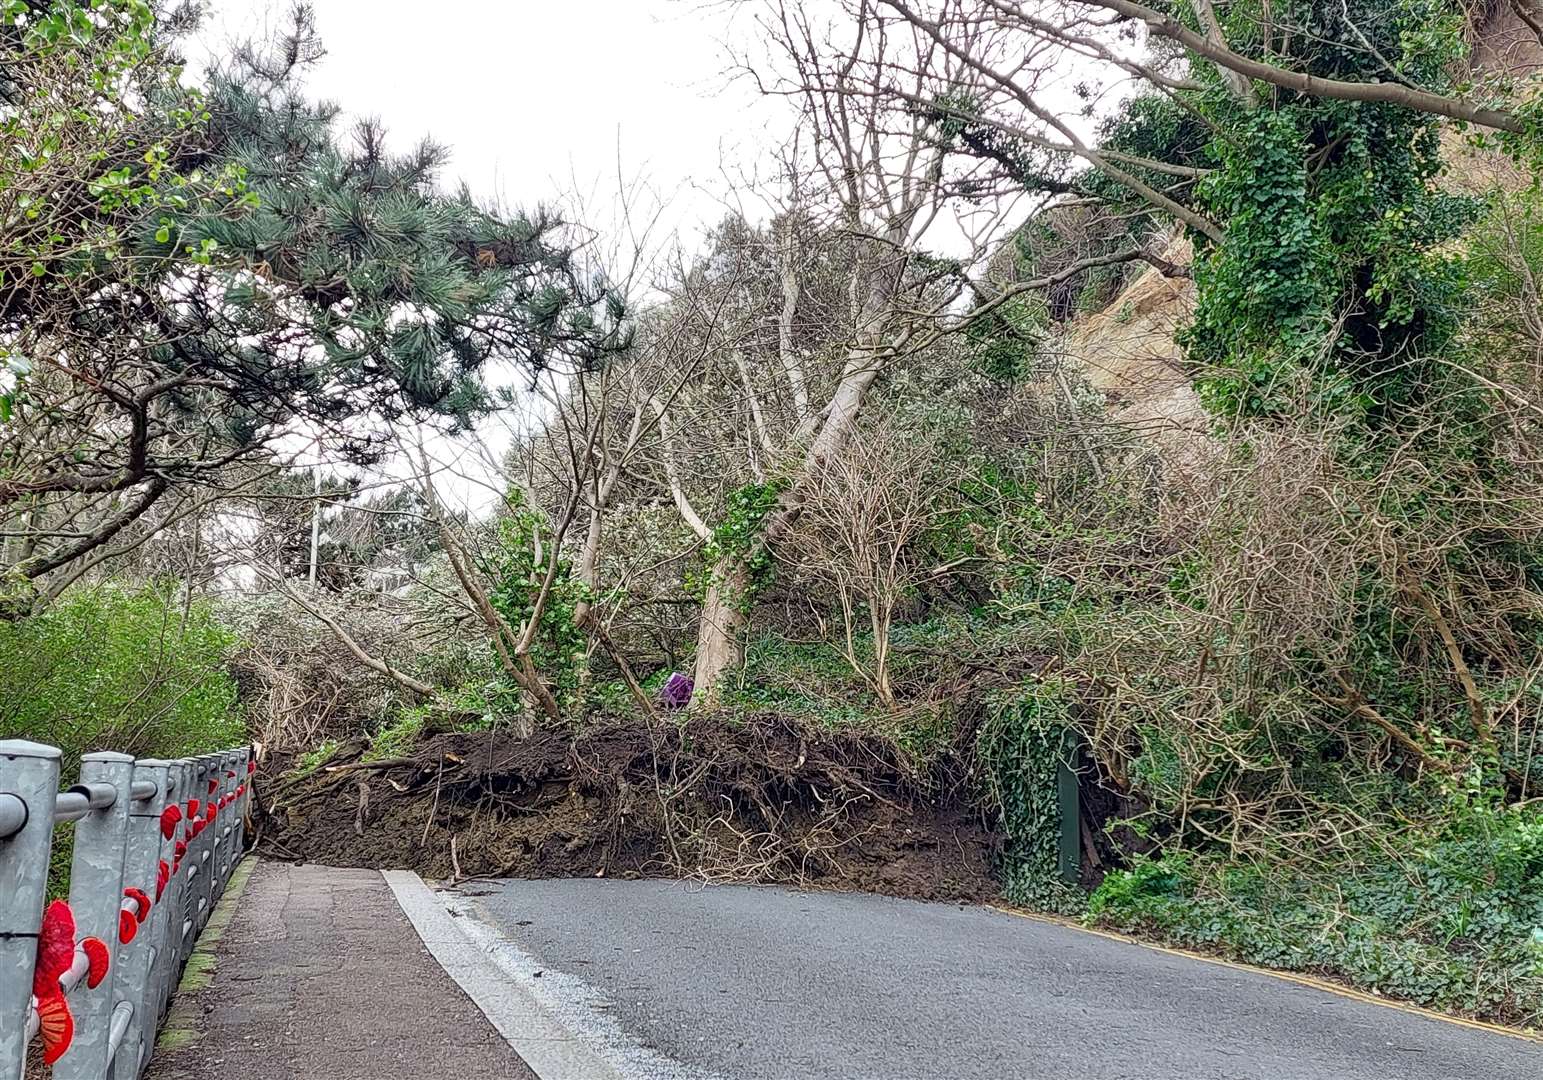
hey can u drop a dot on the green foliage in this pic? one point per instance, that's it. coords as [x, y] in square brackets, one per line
[1023, 744]
[398, 737]
[315, 757]
[736, 541]
[111, 668]
[1453, 920]
[1005, 343]
[280, 272]
[516, 562]
[1333, 278]
[94, 126]
[812, 683]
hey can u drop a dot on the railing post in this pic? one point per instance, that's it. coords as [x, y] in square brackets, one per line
[202, 852]
[168, 930]
[29, 774]
[96, 896]
[135, 959]
[230, 821]
[244, 785]
[217, 827]
[187, 884]
[211, 837]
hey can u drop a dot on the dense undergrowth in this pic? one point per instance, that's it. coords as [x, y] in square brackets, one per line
[135, 670]
[138, 671]
[1448, 916]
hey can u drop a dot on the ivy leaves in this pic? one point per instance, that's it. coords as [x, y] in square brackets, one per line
[1333, 258]
[736, 539]
[1022, 745]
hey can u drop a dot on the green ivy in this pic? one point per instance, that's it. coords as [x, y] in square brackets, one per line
[736, 539]
[1006, 344]
[1335, 284]
[1021, 747]
[1452, 920]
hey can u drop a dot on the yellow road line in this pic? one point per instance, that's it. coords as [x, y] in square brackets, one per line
[1524, 1034]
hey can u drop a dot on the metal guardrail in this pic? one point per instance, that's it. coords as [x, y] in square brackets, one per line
[155, 842]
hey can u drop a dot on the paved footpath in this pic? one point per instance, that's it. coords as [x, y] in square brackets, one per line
[320, 976]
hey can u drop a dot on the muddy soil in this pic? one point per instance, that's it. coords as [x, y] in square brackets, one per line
[759, 800]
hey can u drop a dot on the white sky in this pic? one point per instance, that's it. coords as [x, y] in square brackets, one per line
[537, 99]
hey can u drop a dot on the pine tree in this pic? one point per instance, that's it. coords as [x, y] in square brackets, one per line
[186, 275]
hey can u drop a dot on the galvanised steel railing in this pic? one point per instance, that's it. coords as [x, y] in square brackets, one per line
[155, 842]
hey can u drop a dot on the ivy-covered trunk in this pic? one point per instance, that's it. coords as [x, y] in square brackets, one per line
[720, 637]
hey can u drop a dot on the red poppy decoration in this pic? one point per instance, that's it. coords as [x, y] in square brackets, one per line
[141, 903]
[240, 790]
[193, 805]
[56, 1025]
[251, 767]
[99, 957]
[162, 876]
[209, 812]
[176, 864]
[128, 926]
[56, 949]
[169, 818]
[180, 850]
[56, 952]
[214, 785]
[230, 773]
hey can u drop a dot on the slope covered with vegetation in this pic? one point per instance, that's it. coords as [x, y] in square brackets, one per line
[817, 556]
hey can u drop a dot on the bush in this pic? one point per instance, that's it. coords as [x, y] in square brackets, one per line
[1453, 921]
[109, 668]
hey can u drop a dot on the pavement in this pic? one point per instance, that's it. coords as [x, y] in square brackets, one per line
[320, 975]
[671, 980]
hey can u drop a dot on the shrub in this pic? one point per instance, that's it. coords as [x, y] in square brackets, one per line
[110, 668]
[1451, 921]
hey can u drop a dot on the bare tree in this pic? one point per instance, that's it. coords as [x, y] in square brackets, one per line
[880, 174]
[866, 511]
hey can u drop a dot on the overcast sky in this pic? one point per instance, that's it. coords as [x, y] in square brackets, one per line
[537, 99]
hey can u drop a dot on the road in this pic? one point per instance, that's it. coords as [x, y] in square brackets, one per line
[670, 981]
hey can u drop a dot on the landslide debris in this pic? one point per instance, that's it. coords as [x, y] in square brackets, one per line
[761, 800]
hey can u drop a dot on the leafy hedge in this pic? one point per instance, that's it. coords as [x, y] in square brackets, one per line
[110, 668]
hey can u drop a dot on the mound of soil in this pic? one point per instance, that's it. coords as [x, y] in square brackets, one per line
[760, 800]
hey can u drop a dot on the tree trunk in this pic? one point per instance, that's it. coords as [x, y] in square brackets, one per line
[720, 637]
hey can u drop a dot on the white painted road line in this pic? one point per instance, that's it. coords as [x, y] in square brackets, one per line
[551, 1050]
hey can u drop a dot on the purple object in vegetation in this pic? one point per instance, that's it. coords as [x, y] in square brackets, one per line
[676, 691]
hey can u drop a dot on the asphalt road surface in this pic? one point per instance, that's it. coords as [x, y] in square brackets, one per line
[675, 981]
